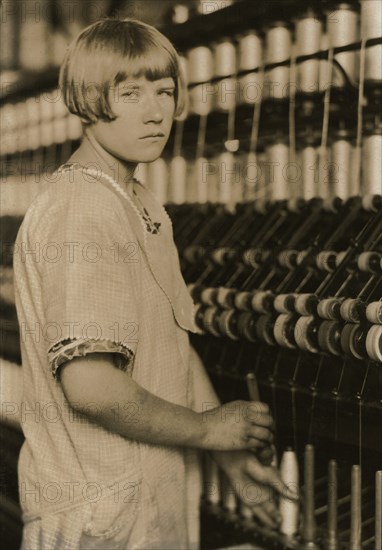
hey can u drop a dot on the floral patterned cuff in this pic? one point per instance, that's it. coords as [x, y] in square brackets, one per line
[65, 350]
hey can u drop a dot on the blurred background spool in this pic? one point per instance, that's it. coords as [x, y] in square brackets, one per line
[277, 184]
[250, 56]
[34, 54]
[225, 70]
[200, 72]
[308, 158]
[371, 27]
[372, 161]
[343, 29]
[278, 48]
[341, 164]
[308, 40]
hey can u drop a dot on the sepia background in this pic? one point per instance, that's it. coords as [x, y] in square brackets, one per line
[272, 179]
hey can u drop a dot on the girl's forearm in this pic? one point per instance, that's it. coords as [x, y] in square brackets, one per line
[124, 407]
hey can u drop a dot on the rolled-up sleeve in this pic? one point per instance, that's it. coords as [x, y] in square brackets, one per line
[89, 272]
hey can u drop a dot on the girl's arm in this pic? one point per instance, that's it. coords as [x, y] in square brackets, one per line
[125, 408]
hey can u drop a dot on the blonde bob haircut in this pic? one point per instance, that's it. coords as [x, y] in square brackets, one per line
[107, 53]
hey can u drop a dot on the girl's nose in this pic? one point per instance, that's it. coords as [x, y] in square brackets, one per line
[153, 110]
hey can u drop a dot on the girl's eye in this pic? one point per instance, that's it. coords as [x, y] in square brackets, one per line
[169, 93]
[130, 93]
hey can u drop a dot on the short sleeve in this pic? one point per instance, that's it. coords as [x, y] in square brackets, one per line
[65, 350]
[89, 267]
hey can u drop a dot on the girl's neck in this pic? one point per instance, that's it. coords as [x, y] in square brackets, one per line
[92, 154]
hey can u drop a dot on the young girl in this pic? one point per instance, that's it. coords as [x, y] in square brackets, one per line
[116, 403]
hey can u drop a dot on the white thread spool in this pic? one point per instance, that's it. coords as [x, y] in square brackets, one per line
[308, 39]
[276, 170]
[288, 508]
[278, 48]
[178, 180]
[324, 66]
[371, 27]
[201, 70]
[372, 164]
[343, 29]
[341, 162]
[158, 179]
[225, 66]
[309, 168]
[250, 57]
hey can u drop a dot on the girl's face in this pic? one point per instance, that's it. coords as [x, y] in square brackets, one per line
[145, 112]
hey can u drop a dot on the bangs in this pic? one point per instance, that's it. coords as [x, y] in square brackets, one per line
[153, 65]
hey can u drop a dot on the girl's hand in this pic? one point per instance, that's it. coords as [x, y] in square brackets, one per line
[254, 483]
[238, 425]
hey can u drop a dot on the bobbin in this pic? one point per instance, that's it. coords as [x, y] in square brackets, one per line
[264, 329]
[225, 297]
[283, 330]
[305, 334]
[210, 321]
[227, 322]
[329, 337]
[243, 300]
[374, 312]
[246, 326]
[374, 343]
